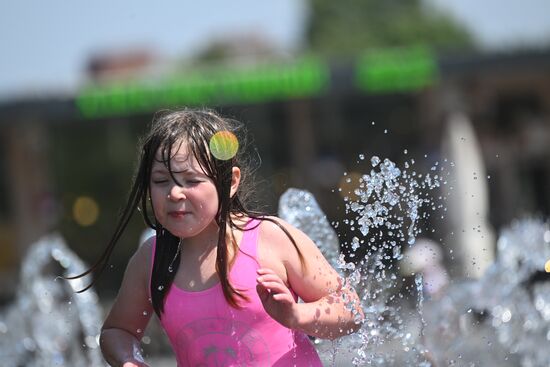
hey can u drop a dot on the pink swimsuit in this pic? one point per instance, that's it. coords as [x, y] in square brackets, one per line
[205, 330]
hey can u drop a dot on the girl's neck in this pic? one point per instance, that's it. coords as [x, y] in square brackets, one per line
[203, 242]
[207, 240]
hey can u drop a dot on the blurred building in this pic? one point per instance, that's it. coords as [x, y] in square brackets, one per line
[124, 66]
[67, 162]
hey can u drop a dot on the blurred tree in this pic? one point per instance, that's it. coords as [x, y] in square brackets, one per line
[349, 26]
[237, 49]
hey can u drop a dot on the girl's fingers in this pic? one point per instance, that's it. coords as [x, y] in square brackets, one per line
[269, 278]
[275, 287]
[265, 296]
[273, 283]
[270, 284]
[262, 292]
[283, 297]
[263, 271]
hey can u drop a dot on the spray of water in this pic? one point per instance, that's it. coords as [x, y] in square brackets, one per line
[502, 319]
[48, 324]
[385, 205]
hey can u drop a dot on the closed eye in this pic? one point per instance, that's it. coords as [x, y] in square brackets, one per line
[159, 181]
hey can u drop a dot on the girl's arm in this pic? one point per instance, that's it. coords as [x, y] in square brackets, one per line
[329, 310]
[123, 329]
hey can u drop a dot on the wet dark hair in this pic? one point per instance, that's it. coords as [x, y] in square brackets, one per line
[195, 128]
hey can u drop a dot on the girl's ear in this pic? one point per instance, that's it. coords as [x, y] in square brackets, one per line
[235, 180]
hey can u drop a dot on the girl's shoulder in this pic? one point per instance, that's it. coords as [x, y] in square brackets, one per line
[276, 226]
[274, 245]
[142, 258]
[276, 230]
[139, 265]
[272, 226]
[146, 250]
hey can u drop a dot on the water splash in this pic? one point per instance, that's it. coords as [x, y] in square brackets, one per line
[386, 204]
[419, 282]
[48, 324]
[502, 319]
[299, 208]
[390, 198]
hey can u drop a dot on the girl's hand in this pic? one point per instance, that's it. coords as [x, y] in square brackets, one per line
[276, 298]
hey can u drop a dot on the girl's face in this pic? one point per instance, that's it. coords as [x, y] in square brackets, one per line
[186, 210]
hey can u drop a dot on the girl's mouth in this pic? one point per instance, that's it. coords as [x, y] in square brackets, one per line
[177, 213]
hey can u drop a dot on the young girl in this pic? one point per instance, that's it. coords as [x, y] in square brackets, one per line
[224, 281]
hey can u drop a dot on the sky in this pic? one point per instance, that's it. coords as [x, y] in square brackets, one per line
[499, 23]
[46, 44]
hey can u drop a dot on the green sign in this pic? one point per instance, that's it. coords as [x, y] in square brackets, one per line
[304, 78]
[396, 70]
[383, 71]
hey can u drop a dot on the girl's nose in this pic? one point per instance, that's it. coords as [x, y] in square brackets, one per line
[176, 193]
